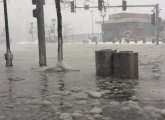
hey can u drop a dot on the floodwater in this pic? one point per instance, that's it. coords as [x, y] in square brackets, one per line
[30, 92]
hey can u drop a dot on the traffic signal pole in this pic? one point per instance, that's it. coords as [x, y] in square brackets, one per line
[41, 36]
[31, 31]
[119, 6]
[124, 7]
[54, 32]
[157, 24]
[8, 55]
[39, 14]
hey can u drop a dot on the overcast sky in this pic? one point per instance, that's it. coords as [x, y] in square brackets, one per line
[20, 15]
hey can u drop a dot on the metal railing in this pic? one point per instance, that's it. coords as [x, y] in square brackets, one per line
[78, 38]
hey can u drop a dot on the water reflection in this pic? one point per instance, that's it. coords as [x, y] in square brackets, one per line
[10, 77]
[44, 92]
[117, 89]
[61, 88]
[44, 86]
[61, 85]
[45, 105]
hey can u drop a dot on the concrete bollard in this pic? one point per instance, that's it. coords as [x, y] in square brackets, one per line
[126, 65]
[104, 62]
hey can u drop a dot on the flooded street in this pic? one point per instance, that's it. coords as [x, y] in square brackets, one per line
[30, 92]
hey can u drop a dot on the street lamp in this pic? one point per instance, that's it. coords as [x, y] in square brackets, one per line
[31, 31]
[157, 23]
[93, 38]
[8, 55]
[103, 13]
[92, 21]
[53, 23]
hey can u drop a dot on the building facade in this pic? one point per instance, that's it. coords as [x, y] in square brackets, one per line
[131, 26]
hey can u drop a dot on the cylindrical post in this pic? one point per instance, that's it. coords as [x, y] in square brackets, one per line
[103, 14]
[103, 30]
[92, 23]
[41, 35]
[8, 55]
[31, 24]
[54, 32]
[157, 24]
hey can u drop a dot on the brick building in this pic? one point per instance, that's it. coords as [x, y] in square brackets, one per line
[133, 26]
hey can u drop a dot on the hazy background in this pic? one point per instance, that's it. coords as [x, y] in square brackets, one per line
[20, 16]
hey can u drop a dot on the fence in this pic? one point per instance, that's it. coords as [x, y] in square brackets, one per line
[78, 38]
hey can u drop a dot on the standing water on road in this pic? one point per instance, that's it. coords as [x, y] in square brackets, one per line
[28, 92]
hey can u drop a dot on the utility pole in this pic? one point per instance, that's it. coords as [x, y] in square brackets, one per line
[8, 55]
[93, 38]
[92, 22]
[103, 13]
[53, 23]
[39, 14]
[31, 31]
[157, 24]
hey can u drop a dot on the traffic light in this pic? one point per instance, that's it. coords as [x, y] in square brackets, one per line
[100, 4]
[86, 7]
[34, 2]
[35, 13]
[72, 6]
[37, 3]
[124, 5]
[153, 18]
